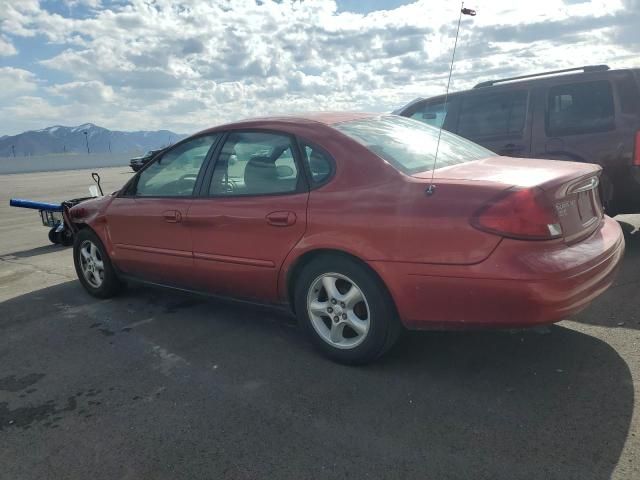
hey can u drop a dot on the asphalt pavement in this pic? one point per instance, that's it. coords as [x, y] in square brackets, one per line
[157, 384]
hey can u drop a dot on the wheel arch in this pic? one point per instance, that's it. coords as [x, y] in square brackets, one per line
[305, 258]
[101, 231]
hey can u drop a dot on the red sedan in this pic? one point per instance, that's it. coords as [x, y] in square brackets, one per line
[337, 216]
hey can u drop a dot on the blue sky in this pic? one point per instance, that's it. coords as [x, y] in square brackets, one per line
[146, 64]
[359, 6]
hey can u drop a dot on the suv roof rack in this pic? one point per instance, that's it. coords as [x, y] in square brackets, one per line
[586, 69]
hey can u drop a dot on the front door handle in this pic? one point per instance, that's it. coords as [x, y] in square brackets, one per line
[172, 216]
[281, 219]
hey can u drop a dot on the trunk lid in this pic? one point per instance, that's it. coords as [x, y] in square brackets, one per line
[570, 187]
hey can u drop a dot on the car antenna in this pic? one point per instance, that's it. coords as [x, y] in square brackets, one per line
[463, 11]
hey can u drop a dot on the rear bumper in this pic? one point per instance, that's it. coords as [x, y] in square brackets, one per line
[520, 284]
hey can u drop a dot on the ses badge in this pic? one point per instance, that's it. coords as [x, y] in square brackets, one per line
[563, 207]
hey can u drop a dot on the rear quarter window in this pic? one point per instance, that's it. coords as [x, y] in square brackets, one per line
[319, 163]
[579, 108]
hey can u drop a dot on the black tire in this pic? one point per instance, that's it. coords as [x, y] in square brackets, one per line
[53, 236]
[66, 237]
[110, 284]
[384, 325]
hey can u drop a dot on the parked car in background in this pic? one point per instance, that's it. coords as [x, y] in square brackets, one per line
[329, 215]
[138, 162]
[588, 114]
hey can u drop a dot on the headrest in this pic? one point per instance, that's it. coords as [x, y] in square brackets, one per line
[260, 174]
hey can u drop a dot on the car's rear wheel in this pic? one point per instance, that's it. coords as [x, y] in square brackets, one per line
[93, 265]
[346, 310]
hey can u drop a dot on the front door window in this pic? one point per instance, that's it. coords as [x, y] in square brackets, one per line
[174, 174]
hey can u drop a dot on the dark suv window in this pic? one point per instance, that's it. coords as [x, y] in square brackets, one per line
[578, 108]
[495, 114]
[628, 94]
[433, 114]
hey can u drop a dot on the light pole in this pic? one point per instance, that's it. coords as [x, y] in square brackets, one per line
[86, 138]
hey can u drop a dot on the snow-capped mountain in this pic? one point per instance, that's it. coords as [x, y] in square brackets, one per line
[59, 139]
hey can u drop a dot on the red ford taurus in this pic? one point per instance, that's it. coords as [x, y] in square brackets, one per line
[337, 216]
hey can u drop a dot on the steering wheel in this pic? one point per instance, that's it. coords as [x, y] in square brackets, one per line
[230, 186]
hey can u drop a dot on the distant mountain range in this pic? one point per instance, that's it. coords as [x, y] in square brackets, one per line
[59, 139]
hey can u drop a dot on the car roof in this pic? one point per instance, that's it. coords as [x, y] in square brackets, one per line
[544, 77]
[326, 118]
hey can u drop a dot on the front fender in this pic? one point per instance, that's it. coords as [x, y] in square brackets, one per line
[92, 213]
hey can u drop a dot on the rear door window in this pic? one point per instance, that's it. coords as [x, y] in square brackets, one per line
[492, 115]
[578, 108]
[255, 163]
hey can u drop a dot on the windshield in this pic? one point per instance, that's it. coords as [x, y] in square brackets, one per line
[409, 145]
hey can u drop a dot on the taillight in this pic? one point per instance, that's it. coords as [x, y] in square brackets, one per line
[636, 153]
[519, 213]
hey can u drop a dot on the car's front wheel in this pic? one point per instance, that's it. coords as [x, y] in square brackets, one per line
[346, 309]
[93, 265]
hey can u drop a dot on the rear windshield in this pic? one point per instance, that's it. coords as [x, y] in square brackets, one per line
[410, 145]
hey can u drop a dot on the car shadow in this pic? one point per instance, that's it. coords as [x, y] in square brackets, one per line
[618, 306]
[439, 405]
[34, 252]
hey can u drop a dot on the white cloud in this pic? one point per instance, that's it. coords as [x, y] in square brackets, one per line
[90, 92]
[6, 47]
[15, 82]
[87, 3]
[189, 65]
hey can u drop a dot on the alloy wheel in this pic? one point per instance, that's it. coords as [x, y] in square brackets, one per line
[91, 264]
[338, 310]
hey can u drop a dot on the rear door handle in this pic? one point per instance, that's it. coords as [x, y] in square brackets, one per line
[172, 216]
[281, 219]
